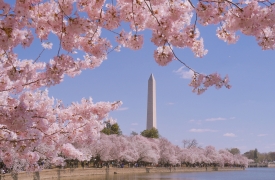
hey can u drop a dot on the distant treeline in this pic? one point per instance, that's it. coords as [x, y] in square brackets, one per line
[260, 157]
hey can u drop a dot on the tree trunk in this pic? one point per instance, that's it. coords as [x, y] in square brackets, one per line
[36, 175]
[14, 175]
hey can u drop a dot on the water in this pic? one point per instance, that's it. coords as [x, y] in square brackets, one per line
[248, 174]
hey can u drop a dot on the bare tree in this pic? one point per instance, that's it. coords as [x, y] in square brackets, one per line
[234, 151]
[190, 143]
[133, 133]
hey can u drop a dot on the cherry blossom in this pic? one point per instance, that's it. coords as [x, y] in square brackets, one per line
[158, 151]
[163, 55]
[34, 125]
[145, 149]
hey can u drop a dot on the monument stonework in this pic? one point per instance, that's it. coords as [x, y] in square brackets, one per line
[151, 104]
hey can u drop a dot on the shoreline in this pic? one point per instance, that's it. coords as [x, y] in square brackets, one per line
[80, 173]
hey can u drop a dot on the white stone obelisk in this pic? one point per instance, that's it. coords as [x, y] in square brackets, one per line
[151, 104]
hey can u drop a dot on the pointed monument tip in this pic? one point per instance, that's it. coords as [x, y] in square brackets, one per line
[151, 76]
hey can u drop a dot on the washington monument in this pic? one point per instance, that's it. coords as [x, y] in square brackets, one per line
[151, 104]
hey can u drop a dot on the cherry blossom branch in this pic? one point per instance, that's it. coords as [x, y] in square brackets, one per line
[61, 36]
[95, 32]
[63, 12]
[269, 2]
[181, 60]
[62, 27]
[6, 106]
[36, 150]
[39, 55]
[232, 11]
[112, 49]
[191, 4]
[152, 12]
[195, 22]
[26, 84]
[264, 3]
[112, 31]
[19, 140]
[134, 16]
[230, 2]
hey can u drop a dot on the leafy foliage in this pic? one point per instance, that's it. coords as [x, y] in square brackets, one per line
[151, 133]
[234, 151]
[255, 154]
[260, 157]
[133, 133]
[112, 129]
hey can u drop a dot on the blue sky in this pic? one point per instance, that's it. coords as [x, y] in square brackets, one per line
[242, 117]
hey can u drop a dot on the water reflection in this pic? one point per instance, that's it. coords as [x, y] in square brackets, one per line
[248, 174]
[139, 176]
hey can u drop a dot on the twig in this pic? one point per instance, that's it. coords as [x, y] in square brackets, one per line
[191, 4]
[195, 72]
[152, 12]
[112, 49]
[39, 55]
[134, 16]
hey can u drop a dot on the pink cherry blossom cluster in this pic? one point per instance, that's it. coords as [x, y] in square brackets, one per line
[35, 126]
[251, 17]
[158, 151]
[201, 82]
